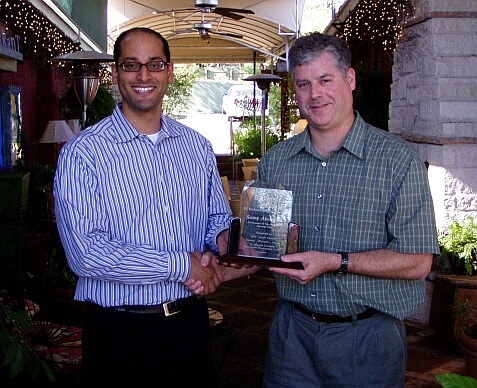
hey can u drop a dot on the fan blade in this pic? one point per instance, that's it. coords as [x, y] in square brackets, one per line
[227, 34]
[189, 30]
[236, 10]
[232, 12]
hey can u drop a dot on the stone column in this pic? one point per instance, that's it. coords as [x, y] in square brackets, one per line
[434, 99]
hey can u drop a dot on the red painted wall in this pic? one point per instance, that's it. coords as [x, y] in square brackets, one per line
[42, 87]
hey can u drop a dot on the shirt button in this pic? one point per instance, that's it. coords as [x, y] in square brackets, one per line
[320, 196]
[313, 295]
[323, 164]
[317, 228]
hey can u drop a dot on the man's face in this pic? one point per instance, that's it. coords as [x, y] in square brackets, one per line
[142, 91]
[324, 95]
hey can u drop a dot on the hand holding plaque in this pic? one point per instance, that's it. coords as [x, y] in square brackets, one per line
[265, 224]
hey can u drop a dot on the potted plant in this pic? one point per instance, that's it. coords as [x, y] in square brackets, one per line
[454, 281]
[458, 244]
[466, 321]
[20, 360]
[34, 351]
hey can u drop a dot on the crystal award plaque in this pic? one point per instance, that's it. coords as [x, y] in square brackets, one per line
[265, 224]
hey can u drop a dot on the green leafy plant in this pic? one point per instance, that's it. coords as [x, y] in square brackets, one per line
[38, 322]
[454, 380]
[178, 93]
[19, 355]
[458, 244]
[248, 138]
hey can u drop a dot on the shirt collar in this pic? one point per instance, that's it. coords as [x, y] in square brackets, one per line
[123, 131]
[356, 137]
[353, 142]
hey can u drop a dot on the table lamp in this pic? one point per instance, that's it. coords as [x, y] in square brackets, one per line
[57, 131]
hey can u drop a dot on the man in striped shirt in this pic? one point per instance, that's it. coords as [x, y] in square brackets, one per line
[139, 202]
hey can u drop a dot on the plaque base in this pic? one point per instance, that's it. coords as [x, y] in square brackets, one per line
[259, 261]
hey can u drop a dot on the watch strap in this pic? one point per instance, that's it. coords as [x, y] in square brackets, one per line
[343, 269]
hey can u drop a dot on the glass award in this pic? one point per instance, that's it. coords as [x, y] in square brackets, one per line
[265, 223]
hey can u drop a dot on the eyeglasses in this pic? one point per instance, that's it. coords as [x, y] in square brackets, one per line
[153, 66]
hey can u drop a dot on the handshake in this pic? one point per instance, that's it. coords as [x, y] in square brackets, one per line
[206, 272]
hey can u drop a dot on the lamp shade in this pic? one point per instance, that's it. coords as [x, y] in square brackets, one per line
[74, 125]
[57, 131]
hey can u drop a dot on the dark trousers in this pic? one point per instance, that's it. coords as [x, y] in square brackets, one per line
[304, 353]
[122, 349]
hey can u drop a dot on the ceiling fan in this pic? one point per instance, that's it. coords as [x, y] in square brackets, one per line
[205, 29]
[211, 6]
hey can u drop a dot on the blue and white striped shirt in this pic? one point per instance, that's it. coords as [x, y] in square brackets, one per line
[130, 211]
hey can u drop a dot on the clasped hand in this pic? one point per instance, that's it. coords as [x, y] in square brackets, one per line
[205, 272]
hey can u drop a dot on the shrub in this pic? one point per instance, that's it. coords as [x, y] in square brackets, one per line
[458, 244]
[248, 139]
[178, 93]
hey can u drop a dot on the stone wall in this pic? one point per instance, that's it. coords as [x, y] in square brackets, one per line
[434, 100]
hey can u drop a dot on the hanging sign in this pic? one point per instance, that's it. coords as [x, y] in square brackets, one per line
[9, 44]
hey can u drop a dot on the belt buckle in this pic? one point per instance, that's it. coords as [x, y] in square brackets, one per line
[171, 308]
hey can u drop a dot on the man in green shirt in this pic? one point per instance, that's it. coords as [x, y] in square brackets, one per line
[368, 235]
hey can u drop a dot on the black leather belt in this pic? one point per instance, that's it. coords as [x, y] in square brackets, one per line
[325, 318]
[168, 308]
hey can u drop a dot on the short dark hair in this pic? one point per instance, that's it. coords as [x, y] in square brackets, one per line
[309, 46]
[125, 34]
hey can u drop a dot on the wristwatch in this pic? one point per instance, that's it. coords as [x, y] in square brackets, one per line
[343, 270]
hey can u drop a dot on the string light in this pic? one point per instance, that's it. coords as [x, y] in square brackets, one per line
[41, 38]
[39, 34]
[377, 22]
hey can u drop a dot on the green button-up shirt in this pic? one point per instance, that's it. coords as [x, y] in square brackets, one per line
[371, 193]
